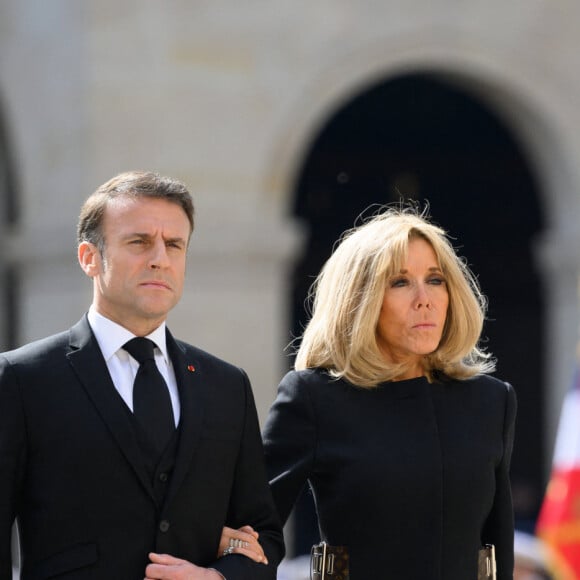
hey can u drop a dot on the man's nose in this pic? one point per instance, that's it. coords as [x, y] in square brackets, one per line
[159, 257]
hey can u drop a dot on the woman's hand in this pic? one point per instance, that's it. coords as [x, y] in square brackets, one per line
[242, 541]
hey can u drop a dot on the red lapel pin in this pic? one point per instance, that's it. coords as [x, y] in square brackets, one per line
[191, 368]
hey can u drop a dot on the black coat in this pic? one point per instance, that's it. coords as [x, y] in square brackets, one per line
[73, 473]
[412, 477]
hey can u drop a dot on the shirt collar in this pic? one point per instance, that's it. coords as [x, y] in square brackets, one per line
[112, 336]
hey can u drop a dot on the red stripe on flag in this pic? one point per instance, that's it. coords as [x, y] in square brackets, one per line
[559, 520]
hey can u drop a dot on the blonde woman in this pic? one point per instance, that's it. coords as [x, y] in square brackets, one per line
[390, 415]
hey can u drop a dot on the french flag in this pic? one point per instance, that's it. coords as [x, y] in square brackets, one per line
[559, 520]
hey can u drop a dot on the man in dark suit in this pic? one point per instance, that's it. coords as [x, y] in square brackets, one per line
[99, 488]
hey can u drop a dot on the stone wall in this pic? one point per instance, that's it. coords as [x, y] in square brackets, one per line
[227, 97]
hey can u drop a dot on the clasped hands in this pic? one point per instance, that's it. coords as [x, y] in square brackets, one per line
[166, 567]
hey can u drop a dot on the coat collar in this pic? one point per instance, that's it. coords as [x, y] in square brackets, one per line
[189, 376]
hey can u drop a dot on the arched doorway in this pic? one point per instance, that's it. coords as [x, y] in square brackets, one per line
[420, 136]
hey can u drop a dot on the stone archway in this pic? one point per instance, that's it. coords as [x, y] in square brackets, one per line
[529, 99]
[419, 137]
[539, 144]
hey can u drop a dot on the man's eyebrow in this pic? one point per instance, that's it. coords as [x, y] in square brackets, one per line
[147, 236]
[136, 235]
[177, 239]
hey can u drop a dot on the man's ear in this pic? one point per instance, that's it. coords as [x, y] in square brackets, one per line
[89, 259]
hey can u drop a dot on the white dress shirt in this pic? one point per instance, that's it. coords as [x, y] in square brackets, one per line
[123, 367]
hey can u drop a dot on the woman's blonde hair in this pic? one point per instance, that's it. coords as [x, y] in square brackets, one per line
[348, 295]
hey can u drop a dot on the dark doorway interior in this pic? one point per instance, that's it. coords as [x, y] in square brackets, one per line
[421, 137]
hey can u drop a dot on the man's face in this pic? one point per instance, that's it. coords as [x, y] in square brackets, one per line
[139, 278]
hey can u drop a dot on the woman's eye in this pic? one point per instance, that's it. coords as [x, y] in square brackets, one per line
[398, 282]
[436, 281]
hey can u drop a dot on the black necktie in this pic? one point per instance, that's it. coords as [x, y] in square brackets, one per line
[151, 401]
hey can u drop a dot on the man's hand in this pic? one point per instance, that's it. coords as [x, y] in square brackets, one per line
[165, 567]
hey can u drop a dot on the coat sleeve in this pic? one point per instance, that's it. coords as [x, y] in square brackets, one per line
[290, 436]
[251, 503]
[12, 461]
[499, 526]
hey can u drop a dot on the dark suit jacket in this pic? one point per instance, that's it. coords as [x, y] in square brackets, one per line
[411, 476]
[72, 472]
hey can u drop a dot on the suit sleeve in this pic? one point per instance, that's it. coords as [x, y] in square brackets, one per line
[251, 503]
[290, 436]
[12, 460]
[499, 527]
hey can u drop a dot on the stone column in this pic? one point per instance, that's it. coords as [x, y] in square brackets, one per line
[236, 301]
[559, 259]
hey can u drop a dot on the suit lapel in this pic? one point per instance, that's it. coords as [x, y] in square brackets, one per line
[89, 365]
[188, 375]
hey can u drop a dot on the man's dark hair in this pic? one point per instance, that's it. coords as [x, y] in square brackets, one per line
[133, 184]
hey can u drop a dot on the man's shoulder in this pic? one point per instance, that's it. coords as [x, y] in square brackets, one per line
[74, 337]
[38, 350]
[205, 359]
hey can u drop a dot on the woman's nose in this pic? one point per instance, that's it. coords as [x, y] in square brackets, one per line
[422, 298]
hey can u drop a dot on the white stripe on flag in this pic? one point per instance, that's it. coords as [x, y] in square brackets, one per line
[567, 450]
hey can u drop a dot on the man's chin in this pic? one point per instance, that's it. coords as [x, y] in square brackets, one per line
[156, 311]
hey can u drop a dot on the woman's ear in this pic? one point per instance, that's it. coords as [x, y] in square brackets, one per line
[90, 259]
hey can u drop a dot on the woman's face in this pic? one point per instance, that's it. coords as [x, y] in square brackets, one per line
[414, 309]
